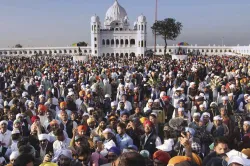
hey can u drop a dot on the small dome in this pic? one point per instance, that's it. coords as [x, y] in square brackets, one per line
[141, 18]
[116, 13]
[95, 19]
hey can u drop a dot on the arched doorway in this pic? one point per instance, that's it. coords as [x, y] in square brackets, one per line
[132, 41]
[117, 42]
[126, 41]
[112, 42]
[132, 54]
[107, 42]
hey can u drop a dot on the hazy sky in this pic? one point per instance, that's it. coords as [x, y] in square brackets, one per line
[63, 22]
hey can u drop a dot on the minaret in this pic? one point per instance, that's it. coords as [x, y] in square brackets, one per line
[95, 35]
[141, 35]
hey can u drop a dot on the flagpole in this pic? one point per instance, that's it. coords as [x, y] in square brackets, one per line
[156, 10]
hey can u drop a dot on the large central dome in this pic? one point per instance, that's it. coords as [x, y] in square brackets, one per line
[116, 13]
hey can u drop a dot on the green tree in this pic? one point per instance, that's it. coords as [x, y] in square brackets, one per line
[168, 29]
[18, 46]
[82, 44]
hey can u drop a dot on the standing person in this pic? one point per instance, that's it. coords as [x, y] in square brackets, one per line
[61, 141]
[123, 140]
[149, 140]
[66, 124]
[5, 134]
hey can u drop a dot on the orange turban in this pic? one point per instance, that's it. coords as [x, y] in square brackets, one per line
[82, 128]
[178, 159]
[63, 104]
[143, 119]
[246, 152]
[162, 156]
[42, 107]
[197, 159]
[81, 93]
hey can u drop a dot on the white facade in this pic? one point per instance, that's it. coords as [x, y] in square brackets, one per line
[117, 38]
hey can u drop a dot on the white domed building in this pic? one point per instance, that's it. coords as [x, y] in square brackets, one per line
[115, 37]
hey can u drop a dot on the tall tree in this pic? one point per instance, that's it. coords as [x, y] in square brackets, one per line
[82, 44]
[18, 46]
[168, 29]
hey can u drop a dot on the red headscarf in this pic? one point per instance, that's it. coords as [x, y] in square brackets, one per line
[34, 118]
[82, 127]
[43, 108]
[148, 122]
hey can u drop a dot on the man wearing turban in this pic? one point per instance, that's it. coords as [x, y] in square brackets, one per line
[150, 139]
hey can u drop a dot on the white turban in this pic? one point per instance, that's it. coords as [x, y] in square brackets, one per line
[43, 137]
[217, 118]
[196, 114]
[206, 114]
[247, 123]
[3, 122]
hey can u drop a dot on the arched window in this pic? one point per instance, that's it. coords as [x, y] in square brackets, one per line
[1, 53]
[103, 42]
[30, 52]
[230, 50]
[117, 41]
[70, 51]
[95, 38]
[25, 52]
[40, 52]
[220, 50]
[112, 42]
[145, 43]
[20, 52]
[216, 50]
[55, 51]
[170, 50]
[139, 27]
[126, 54]
[5, 52]
[142, 43]
[112, 54]
[34, 52]
[75, 51]
[107, 54]
[139, 44]
[126, 41]
[85, 51]
[65, 51]
[202, 50]
[142, 27]
[117, 55]
[11, 52]
[107, 42]
[121, 42]
[103, 54]
[132, 41]
[121, 55]
[159, 50]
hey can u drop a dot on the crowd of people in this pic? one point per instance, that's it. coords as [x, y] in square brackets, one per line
[149, 111]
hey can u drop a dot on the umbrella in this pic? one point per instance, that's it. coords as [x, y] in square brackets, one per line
[183, 44]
